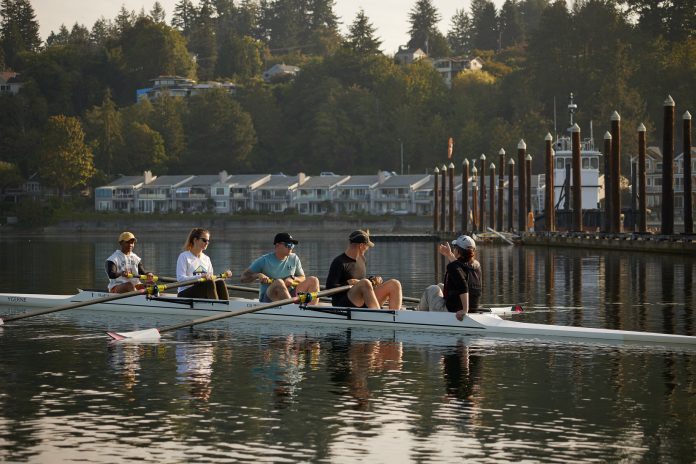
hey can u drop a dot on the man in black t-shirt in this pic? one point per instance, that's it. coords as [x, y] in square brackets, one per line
[350, 268]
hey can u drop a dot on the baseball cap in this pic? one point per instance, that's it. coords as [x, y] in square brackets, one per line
[464, 242]
[126, 237]
[284, 237]
[360, 236]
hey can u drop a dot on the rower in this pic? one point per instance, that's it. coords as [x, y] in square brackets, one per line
[123, 267]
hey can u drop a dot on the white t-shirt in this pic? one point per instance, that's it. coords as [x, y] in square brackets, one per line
[189, 266]
[124, 262]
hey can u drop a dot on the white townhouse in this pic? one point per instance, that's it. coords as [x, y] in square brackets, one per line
[277, 194]
[354, 194]
[396, 194]
[119, 195]
[233, 193]
[195, 194]
[157, 195]
[316, 194]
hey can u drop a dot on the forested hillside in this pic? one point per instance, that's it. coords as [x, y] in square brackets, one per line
[351, 107]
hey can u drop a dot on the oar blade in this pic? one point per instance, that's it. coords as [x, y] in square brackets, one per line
[147, 334]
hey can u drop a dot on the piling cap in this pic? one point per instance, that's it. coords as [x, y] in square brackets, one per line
[511, 162]
[607, 135]
[615, 116]
[548, 137]
[687, 116]
[669, 101]
[575, 128]
[522, 145]
[492, 166]
[444, 168]
[451, 166]
[642, 128]
[528, 157]
[474, 170]
[502, 151]
[482, 158]
[465, 162]
[436, 170]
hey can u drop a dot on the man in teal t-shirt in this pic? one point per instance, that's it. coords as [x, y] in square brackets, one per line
[280, 272]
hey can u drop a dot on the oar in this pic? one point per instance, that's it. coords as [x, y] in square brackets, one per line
[149, 290]
[150, 334]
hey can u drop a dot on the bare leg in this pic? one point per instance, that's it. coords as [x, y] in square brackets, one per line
[278, 291]
[391, 290]
[309, 285]
[363, 294]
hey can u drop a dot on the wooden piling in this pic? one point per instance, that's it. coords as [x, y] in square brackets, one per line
[465, 195]
[436, 199]
[491, 198]
[616, 172]
[668, 168]
[607, 182]
[501, 190]
[528, 191]
[482, 193]
[511, 194]
[522, 197]
[642, 179]
[688, 199]
[550, 197]
[443, 203]
[474, 199]
[577, 178]
[450, 171]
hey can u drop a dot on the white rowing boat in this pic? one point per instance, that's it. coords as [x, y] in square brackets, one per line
[473, 324]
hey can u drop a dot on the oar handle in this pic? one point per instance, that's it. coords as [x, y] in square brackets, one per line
[300, 298]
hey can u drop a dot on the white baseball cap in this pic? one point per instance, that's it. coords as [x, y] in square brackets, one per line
[464, 242]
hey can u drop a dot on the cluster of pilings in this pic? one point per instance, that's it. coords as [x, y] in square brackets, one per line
[479, 192]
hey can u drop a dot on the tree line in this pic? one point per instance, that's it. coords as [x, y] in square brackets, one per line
[351, 108]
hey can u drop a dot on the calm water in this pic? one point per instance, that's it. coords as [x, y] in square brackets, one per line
[246, 391]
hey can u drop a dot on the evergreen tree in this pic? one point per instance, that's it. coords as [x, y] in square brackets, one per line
[322, 31]
[459, 36]
[184, 16]
[203, 43]
[361, 35]
[60, 38]
[530, 15]
[19, 30]
[125, 20]
[510, 24]
[105, 128]
[157, 13]
[423, 19]
[485, 25]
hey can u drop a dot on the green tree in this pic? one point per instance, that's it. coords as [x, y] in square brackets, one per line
[220, 134]
[361, 35]
[9, 175]
[143, 149]
[510, 24]
[239, 56]
[157, 13]
[485, 25]
[105, 128]
[423, 19]
[66, 162]
[459, 35]
[184, 16]
[19, 30]
[203, 42]
[166, 118]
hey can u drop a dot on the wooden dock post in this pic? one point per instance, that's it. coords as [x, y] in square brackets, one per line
[577, 178]
[436, 199]
[607, 182]
[492, 196]
[521, 195]
[528, 192]
[482, 193]
[511, 194]
[642, 178]
[501, 190]
[465, 195]
[443, 202]
[668, 168]
[450, 171]
[550, 197]
[688, 199]
[474, 199]
[616, 172]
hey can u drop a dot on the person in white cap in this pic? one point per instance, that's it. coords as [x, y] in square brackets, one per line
[350, 268]
[461, 290]
[123, 267]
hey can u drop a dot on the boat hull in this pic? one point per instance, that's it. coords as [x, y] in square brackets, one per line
[473, 324]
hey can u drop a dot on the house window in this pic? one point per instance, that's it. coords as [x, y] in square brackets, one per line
[220, 191]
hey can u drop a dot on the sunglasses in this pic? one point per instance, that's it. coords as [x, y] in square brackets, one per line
[204, 240]
[289, 245]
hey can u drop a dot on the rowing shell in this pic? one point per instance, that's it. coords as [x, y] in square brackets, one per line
[473, 324]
